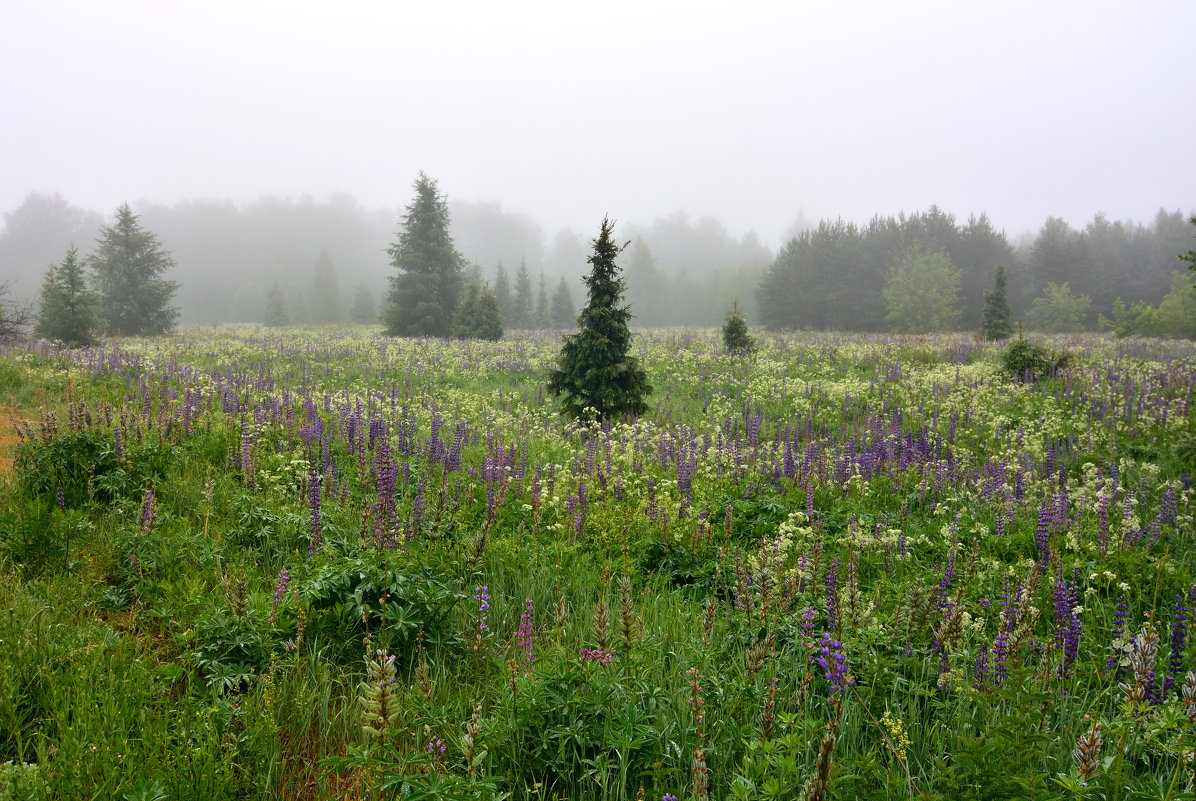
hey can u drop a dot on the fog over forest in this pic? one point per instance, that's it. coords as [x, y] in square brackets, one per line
[277, 143]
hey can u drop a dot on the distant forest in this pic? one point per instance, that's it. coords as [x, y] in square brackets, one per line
[328, 259]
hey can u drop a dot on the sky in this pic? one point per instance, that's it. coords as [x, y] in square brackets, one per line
[751, 112]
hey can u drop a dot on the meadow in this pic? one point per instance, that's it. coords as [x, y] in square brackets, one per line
[321, 563]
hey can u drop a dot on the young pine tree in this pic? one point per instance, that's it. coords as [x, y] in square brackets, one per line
[736, 338]
[478, 316]
[540, 318]
[597, 375]
[502, 293]
[69, 310]
[997, 322]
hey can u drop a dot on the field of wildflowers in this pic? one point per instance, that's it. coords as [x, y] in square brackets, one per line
[249, 563]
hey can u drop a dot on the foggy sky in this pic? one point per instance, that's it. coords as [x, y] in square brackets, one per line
[751, 112]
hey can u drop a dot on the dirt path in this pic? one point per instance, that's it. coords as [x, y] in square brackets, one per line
[8, 437]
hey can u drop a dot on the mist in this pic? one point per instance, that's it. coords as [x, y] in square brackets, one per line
[251, 137]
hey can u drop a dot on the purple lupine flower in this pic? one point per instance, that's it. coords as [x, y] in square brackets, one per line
[833, 663]
[831, 582]
[61, 498]
[1042, 537]
[807, 626]
[1179, 638]
[282, 584]
[523, 637]
[668, 797]
[597, 655]
[482, 596]
[1119, 619]
[981, 667]
[316, 537]
[148, 504]
[1001, 659]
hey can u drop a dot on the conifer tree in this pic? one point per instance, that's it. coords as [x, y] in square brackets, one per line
[521, 313]
[736, 338]
[502, 293]
[597, 375]
[997, 322]
[424, 294]
[562, 306]
[540, 318]
[69, 309]
[478, 316]
[276, 307]
[364, 310]
[127, 267]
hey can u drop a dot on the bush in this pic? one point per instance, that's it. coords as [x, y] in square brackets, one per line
[1029, 361]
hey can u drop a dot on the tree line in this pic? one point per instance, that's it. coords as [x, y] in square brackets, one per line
[928, 272]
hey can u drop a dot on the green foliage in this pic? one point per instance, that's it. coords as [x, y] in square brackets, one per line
[20, 781]
[399, 597]
[327, 305]
[736, 337]
[1030, 361]
[69, 309]
[1189, 256]
[997, 322]
[597, 375]
[478, 316]
[276, 307]
[423, 297]
[563, 311]
[127, 265]
[1059, 310]
[521, 303]
[922, 293]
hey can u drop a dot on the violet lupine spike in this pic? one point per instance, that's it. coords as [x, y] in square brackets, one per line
[1179, 639]
[482, 596]
[831, 582]
[1042, 537]
[1001, 659]
[833, 663]
[282, 584]
[316, 536]
[982, 666]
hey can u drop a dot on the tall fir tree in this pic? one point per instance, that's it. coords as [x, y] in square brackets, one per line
[423, 296]
[540, 317]
[521, 313]
[276, 307]
[69, 309]
[562, 305]
[597, 375]
[127, 267]
[997, 322]
[502, 293]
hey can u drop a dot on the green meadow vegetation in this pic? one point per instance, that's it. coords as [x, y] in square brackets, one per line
[321, 563]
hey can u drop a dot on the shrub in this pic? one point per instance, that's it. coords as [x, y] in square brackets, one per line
[1029, 361]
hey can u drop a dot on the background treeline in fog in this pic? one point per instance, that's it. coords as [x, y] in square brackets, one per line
[327, 262]
[835, 275]
[328, 257]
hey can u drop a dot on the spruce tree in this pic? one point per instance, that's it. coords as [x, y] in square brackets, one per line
[736, 338]
[521, 313]
[478, 316]
[997, 322]
[276, 307]
[127, 267]
[540, 318]
[502, 293]
[597, 375]
[69, 309]
[562, 305]
[424, 294]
